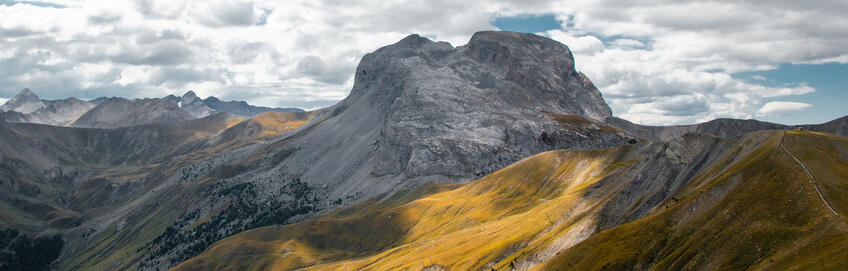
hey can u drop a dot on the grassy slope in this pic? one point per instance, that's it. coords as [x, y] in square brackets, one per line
[750, 215]
[475, 226]
[275, 123]
[741, 212]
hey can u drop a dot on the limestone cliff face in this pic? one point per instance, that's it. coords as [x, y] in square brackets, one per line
[423, 110]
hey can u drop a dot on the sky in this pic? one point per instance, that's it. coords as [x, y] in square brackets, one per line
[655, 62]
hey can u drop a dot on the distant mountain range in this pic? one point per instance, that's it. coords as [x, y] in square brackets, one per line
[494, 155]
[116, 112]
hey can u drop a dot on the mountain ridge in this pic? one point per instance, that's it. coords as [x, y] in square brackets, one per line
[122, 112]
[25, 102]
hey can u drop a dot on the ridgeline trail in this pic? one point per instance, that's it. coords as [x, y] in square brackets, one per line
[809, 175]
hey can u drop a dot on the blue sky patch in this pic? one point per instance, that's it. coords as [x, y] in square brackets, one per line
[527, 23]
[263, 19]
[34, 3]
[830, 100]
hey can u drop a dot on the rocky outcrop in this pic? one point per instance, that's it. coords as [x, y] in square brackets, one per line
[24, 102]
[423, 110]
[203, 107]
[57, 113]
[119, 112]
[242, 108]
[194, 105]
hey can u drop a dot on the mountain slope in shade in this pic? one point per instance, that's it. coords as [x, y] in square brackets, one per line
[838, 126]
[57, 113]
[243, 108]
[722, 128]
[697, 202]
[24, 102]
[26, 107]
[74, 181]
[203, 107]
[45, 167]
[119, 112]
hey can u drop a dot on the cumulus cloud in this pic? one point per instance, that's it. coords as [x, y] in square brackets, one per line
[778, 107]
[104, 18]
[225, 13]
[627, 43]
[314, 67]
[672, 62]
[655, 62]
[578, 44]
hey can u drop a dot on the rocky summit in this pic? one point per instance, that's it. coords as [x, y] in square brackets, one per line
[24, 102]
[424, 110]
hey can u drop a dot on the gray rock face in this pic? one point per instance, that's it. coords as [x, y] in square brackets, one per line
[199, 108]
[119, 112]
[723, 128]
[57, 113]
[194, 105]
[24, 102]
[26, 107]
[242, 108]
[422, 110]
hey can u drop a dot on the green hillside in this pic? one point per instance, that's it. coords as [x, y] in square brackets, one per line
[750, 206]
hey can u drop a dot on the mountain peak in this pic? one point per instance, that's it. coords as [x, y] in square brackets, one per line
[190, 98]
[190, 95]
[414, 39]
[26, 92]
[26, 95]
[24, 102]
[513, 48]
[513, 70]
[467, 99]
[194, 105]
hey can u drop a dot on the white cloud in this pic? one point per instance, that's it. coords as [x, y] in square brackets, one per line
[657, 59]
[3, 100]
[627, 43]
[655, 63]
[578, 44]
[224, 13]
[772, 108]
